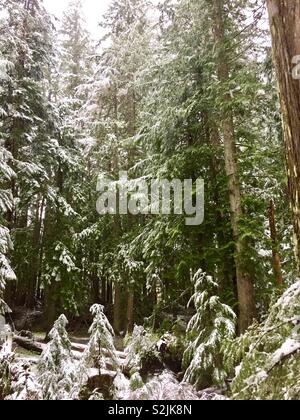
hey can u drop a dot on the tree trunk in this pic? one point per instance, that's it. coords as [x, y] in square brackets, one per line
[275, 245]
[225, 277]
[117, 309]
[35, 260]
[284, 16]
[95, 288]
[245, 286]
[130, 316]
[51, 305]
[104, 298]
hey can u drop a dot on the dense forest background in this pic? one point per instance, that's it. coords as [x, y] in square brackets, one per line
[184, 89]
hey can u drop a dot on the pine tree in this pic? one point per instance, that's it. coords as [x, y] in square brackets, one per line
[245, 286]
[101, 343]
[63, 276]
[57, 367]
[6, 272]
[210, 327]
[112, 110]
[25, 132]
[76, 53]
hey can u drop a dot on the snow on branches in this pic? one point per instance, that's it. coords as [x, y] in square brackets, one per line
[57, 366]
[212, 324]
[101, 343]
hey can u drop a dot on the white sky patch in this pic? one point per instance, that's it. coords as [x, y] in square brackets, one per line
[93, 11]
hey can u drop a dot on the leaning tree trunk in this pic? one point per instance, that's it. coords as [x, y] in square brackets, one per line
[284, 16]
[245, 285]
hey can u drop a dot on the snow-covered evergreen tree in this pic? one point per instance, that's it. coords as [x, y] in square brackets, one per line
[76, 53]
[24, 385]
[7, 174]
[112, 116]
[57, 367]
[25, 131]
[6, 272]
[267, 356]
[164, 387]
[210, 327]
[101, 342]
[64, 276]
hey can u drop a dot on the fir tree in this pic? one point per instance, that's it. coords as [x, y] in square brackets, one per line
[210, 327]
[101, 343]
[57, 368]
[6, 272]
[25, 132]
[76, 55]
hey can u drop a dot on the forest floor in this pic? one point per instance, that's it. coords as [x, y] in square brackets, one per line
[159, 381]
[160, 384]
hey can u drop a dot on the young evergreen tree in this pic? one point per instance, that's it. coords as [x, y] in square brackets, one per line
[101, 343]
[56, 367]
[211, 326]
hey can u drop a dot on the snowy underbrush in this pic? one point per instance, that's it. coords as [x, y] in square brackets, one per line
[141, 351]
[16, 379]
[269, 354]
[164, 386]
[61, 374]
[266, 359]
[6, 361]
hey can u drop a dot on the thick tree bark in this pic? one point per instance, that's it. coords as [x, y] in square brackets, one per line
[245, 285]
[275, 245]
[284, 16]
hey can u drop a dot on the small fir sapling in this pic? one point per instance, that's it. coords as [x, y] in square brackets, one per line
[209, 328]
[101, 343]
[57, 367]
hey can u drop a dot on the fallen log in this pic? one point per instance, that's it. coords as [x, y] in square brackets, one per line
[82, 347]
[28, 344]
[78, 347]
